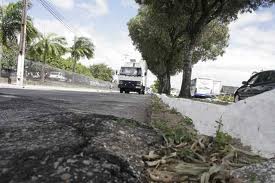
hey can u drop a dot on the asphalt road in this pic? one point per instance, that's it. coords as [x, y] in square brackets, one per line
[63, 136]
[130, 106]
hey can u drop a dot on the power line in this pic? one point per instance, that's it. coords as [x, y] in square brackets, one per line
[50, 8]
[52, 12]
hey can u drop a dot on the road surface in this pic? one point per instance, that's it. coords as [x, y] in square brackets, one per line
[64, 136]
[125, 106]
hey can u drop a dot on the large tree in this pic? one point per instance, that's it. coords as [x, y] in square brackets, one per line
[47, 47]
[82, 47]
[197, 15]
[163, 49]
[156, 46]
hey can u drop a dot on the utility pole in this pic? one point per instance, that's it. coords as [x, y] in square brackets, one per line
[1, 45]
[22, 46]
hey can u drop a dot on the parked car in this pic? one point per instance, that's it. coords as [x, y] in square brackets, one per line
[58, 76]
[258, 83]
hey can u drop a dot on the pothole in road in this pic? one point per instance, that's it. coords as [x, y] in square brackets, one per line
[74, 147]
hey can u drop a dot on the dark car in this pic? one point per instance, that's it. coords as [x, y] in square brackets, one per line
[258, 83]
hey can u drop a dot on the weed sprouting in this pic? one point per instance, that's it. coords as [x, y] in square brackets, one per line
[222, 139]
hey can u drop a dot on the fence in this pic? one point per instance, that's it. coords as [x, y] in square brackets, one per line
[40, 74]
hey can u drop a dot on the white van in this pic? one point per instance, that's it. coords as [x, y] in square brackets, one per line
[205, 87]
[132, 77]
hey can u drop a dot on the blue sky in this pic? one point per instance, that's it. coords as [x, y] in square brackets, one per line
[252, 37]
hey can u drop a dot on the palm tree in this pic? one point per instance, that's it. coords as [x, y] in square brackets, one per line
[83, 47]
[46, 47]
[10, 24]
[10, 27]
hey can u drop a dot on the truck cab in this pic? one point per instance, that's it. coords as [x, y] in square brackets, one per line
[132, 77]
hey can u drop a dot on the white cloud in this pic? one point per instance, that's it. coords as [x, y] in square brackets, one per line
[46, 26]
[252, 18]
[129, 3]
[95, 7]
[64, 4]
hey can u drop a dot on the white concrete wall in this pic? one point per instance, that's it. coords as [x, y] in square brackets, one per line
[204, 115]
[251, 120]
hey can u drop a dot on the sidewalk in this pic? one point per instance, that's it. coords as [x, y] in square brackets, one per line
[40, 87]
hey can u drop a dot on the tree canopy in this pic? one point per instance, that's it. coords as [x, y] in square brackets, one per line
[47, 47]
[102, 72]
[10, 24]
[156, 47]
[164, 50]
[82, 47]
[192, 18]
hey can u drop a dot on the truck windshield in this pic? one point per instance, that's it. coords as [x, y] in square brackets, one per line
[130, 71]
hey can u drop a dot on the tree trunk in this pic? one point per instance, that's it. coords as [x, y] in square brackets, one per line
[0, 66]
[74, 64]
[160, 78]
[187, 72]
[9, 76]
[1, 59]
[43, 68]
[165, 84]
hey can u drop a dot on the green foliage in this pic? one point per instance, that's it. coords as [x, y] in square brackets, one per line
[177, 134]
[83, 47]
[163, 42]
[67, 64]
[187, 21]
[174, 111]
[156, 46]
[155, 86]
[222, 139]
[102, 72]
[47, 47]
[253, 178]
[188, 121]
[156, 104]
[213, 42]
[9, 57]
[226, 98]
[10, 24]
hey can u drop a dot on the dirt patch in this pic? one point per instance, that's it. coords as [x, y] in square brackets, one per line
[53, 145]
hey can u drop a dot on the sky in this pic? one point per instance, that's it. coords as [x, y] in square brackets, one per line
[251, 46]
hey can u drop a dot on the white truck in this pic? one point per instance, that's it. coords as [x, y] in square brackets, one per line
[132, 77]
[205, 87]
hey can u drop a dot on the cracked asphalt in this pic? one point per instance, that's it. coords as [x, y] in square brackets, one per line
[62, 136]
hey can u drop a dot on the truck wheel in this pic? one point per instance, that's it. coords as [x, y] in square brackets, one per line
[127, 91]
[121, 90]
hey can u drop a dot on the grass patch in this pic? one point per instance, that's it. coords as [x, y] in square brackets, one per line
[174, 111]
[226, 98]
[174, 135]
[222, 139]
